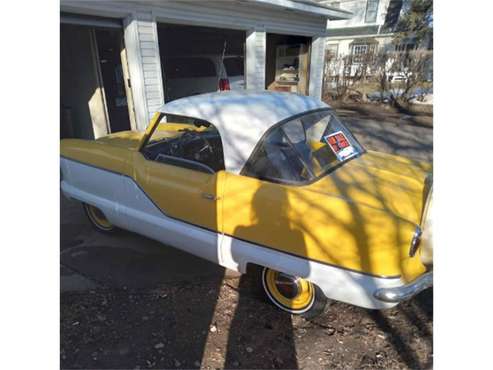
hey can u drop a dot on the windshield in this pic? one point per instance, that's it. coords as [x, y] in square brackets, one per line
[303, 149]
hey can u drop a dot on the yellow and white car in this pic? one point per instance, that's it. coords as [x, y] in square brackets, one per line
[271, 180]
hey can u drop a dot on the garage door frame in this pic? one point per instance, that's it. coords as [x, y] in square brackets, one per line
[104, 22]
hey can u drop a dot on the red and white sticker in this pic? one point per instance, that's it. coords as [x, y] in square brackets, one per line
[340, 145]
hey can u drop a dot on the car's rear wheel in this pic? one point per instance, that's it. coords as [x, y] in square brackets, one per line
[98, 219]
[293, 294]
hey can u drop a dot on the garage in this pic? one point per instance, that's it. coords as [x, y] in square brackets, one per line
[197, 60]
[121, 61]
[93, 75]
[287, 63]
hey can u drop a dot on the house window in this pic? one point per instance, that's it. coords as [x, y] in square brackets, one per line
[371, 11]
[405, 47]
[360, 51]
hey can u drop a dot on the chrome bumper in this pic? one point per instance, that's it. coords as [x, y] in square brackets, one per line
[401, 293]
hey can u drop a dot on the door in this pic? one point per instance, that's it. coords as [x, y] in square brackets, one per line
[83, 112]
[181, 168]
[95, 97]
[185, 194]
[109, 43]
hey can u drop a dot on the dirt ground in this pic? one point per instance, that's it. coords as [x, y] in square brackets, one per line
[128, 302]
[227, 324]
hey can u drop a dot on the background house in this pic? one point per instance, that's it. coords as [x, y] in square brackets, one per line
[116, 57]
[371, 28]
[373, 50]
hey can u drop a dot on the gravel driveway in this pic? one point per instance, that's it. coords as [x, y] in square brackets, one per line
[128, 302]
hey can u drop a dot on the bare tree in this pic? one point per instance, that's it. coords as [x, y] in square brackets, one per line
[414, 65]
[397, 74]
[381, 70]
[343, 74]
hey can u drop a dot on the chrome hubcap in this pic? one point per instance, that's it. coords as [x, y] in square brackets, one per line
[99, 215]
[289, 286]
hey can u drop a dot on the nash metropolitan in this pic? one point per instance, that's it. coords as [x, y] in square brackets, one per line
[270, 181]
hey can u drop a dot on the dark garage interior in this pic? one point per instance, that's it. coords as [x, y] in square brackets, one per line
[193, 57]
[93, 95]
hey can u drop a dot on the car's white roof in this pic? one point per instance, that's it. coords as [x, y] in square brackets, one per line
[242, 117]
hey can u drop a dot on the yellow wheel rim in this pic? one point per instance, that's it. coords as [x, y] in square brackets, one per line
[291, 292]
[98, 217]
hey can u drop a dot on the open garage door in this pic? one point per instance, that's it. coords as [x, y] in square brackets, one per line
[95, 98]
[287, 63]
[197, 60]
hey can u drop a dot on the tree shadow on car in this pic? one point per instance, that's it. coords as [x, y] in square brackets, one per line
[264, 339]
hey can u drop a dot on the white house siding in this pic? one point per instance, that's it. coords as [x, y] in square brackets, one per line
[237, 15]
[144, 65]
[316, 66]
[256, 41]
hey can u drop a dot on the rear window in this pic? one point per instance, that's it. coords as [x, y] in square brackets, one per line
[189, 68]
[303, 149]
[234, 66]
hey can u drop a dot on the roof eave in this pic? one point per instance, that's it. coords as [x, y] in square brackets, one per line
[307, 7]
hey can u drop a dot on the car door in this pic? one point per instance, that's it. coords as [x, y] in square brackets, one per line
[182, 190]
[176, 195]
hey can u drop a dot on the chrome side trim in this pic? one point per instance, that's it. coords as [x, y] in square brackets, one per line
[404, 292]
[416, 240]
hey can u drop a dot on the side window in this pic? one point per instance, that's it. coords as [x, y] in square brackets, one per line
[276, 159]
[186, 142]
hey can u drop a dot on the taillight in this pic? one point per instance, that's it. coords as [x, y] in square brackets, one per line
[224, 84]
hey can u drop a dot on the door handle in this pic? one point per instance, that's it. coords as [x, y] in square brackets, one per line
[209, 196]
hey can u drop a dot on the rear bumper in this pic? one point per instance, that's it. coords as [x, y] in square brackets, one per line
[401, 293]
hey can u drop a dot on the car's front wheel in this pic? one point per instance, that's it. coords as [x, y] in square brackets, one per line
[293, 294]
[98, 218]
